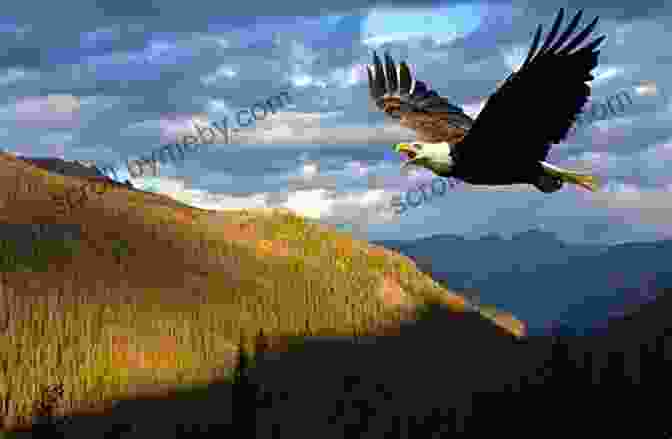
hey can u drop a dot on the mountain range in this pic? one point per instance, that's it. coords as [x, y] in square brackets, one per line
[546, 282]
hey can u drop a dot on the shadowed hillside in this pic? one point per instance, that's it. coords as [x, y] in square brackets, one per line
[64, 167]
[154, 293]
[445, 373]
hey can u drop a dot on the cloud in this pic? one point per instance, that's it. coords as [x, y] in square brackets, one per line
[117, 81]
[52, 111]
[292, 127]
[643, 206]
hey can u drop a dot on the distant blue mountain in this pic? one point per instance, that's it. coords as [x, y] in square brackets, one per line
[544, 281]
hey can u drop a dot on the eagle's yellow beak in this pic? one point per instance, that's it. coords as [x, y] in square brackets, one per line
[402, 147]
[405, 148]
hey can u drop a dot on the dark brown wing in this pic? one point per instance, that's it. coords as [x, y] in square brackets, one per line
[433, 117]
[537, 105]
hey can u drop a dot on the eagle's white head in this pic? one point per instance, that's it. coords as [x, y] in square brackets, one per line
[434, 156]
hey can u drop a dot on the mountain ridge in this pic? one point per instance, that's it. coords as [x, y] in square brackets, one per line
[219, 276]
[547, 280]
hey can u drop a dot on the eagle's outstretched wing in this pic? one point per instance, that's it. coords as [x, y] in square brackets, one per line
[432, 116]
[536, 106]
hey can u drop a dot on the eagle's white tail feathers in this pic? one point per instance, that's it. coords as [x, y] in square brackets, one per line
[589, 182]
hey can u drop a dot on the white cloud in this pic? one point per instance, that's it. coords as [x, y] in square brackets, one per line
[379, 40]
[13, 75]
[474, 109]
[292, 127]
[223, 72]
[515, 56]
[603, 73]
[51, 111]
[444, 24]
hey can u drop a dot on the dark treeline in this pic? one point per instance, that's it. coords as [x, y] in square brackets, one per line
[458, 374]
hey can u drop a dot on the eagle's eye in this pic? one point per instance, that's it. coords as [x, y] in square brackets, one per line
[392, 108]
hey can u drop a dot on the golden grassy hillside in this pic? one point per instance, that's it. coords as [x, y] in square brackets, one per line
[157, 292]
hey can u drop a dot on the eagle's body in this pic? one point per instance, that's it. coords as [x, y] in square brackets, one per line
[444, 163]
[502, 146]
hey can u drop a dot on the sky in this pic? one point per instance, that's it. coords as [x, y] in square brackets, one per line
[119, 79]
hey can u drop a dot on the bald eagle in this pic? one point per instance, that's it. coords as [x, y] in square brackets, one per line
[509, 141]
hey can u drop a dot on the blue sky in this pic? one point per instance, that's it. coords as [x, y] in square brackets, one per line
[117, 80]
